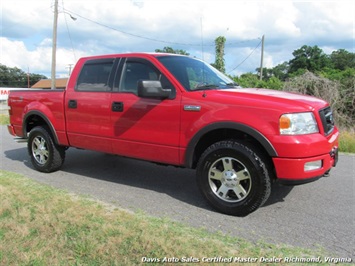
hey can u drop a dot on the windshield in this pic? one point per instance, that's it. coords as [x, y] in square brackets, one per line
[194, 74]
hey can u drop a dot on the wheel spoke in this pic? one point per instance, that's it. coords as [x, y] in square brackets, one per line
[215, 174]
[43, 143]
[243, 175]
[239, 191]
[42, 159]
[223, 191]
[227, 164]
[36, 142]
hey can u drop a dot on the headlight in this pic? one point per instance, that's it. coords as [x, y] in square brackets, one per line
[298, 124]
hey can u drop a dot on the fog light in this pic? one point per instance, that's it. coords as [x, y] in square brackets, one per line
[315, 165]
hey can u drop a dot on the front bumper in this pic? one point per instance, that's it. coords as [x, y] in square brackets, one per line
[292, 171]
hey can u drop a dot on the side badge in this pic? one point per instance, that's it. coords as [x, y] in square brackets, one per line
[193, 108]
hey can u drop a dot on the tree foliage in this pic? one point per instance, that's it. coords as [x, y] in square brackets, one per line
[170, 50]
[219, 47]
[342, 59]
[309, 58]
[16, 78]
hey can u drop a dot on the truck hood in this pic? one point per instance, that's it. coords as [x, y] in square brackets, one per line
[273, 98]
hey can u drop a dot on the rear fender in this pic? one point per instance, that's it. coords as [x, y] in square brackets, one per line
[37, 118]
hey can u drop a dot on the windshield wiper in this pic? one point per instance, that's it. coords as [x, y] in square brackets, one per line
[232, 84]
[214, 86]
[206, 87]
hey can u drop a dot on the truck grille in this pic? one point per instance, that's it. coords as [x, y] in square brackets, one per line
[326, 116]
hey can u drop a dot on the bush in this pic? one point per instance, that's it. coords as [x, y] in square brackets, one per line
[340, 98]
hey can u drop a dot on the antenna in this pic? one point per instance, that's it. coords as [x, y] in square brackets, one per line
[202, 49]
[203, 56]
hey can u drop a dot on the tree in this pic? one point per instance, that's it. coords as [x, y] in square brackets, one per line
[16, 78]
[310, 58]
[170, 50]
[342, 59]
[219, 61]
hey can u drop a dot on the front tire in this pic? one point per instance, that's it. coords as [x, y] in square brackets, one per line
[46, 156]
[233, 178]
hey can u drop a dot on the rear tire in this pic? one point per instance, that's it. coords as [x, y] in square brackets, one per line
[46, 156]
[233, 178]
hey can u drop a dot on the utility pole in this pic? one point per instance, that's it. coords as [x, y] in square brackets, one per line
[70, 67]
[54, 44]
[28, 77]
[262, 57]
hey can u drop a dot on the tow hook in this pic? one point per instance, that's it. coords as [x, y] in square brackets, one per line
[326, 174]
[334, 153]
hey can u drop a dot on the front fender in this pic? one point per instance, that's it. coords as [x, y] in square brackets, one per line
[264, 142]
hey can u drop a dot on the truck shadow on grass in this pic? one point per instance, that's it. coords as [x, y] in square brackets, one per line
[178, 183]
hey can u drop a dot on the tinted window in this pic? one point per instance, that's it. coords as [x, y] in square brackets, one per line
[94, 75]
[194, 74]
[134, 71]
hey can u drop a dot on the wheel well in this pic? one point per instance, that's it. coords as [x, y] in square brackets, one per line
[35, 120]
[227, 134]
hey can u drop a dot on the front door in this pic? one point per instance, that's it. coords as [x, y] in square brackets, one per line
[144, 128]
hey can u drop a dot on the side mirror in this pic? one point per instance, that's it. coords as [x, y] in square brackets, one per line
[152, 89]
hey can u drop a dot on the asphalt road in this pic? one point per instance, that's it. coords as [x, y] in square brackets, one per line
[318, 214]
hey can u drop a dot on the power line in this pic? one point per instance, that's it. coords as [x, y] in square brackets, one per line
[245, 58]
[150, 38]
[240, 42]
[131, 34]
[70, 38]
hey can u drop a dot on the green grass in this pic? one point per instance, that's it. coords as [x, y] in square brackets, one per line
[40, 225]
[4, 119]
[347, 141]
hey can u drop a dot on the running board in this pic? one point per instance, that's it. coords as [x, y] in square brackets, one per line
[20, 140]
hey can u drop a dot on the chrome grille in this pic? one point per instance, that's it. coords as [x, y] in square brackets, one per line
[326, 116]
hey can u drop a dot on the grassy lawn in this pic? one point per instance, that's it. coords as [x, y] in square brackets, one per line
[40, 225]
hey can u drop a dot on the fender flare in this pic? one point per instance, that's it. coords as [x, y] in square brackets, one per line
[46, 120]
[264, 142]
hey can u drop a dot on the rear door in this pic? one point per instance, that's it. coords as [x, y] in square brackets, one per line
[88, 106]
[144, 128]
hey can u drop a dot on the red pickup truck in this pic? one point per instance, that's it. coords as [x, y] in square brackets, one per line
[176, 110]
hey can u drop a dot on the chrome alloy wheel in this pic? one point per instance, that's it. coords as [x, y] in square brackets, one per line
[229, 179]
[40, 150]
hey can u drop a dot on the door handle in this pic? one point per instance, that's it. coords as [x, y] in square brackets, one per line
[117, 107]
[72, 104]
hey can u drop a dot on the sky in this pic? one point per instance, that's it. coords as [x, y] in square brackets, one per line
[120, 26]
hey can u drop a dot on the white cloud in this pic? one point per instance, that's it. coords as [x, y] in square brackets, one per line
[15, 54]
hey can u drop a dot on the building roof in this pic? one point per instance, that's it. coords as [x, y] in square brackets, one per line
[46, 84]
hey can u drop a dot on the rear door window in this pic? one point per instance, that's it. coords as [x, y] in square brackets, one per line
[95, 75]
